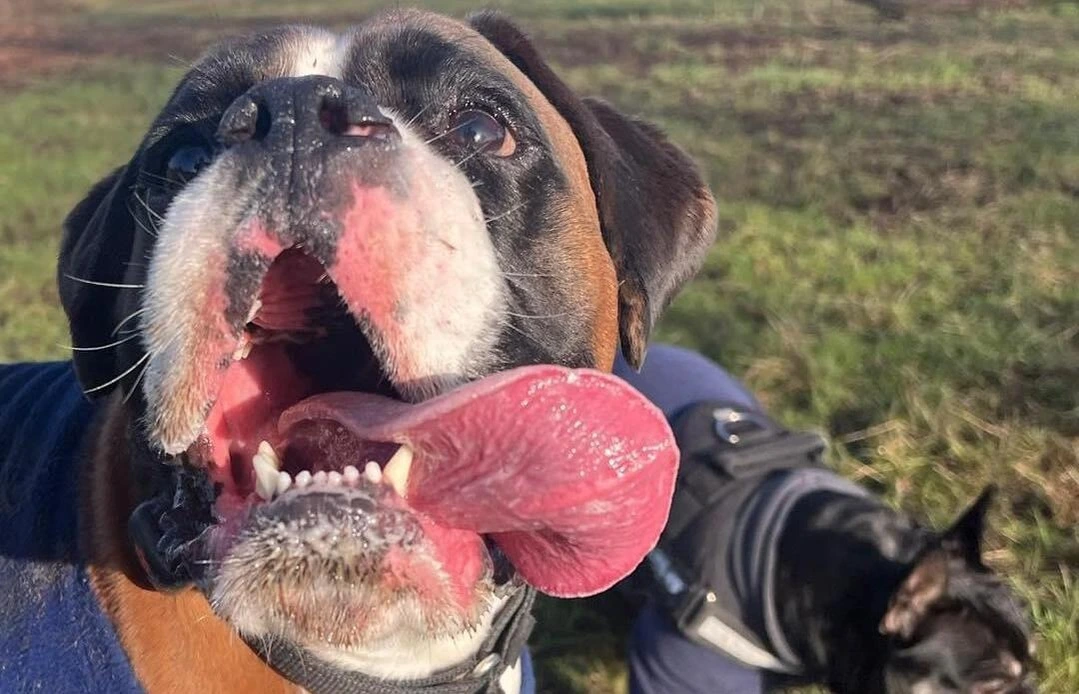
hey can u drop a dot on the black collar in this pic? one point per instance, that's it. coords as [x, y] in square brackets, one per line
[476, 675]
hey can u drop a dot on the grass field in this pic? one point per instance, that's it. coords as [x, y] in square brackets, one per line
[899, 256]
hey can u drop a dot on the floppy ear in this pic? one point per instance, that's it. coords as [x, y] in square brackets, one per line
[926, 583]
[96, 247]
[964, 538]
[656, 213]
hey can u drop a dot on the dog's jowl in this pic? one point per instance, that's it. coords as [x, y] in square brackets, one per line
[343, 315]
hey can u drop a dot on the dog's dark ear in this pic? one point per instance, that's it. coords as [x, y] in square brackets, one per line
[96, 247]
[926, 583]
[964, 538]
[657, 215]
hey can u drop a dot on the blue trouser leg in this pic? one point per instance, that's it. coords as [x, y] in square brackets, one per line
[661, 659]
[674, 377]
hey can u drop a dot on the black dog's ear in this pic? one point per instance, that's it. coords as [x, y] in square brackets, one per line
[96, 247]
[964, 538]
[657, 215]
[926, 583]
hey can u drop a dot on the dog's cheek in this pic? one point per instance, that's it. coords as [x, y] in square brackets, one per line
[416, 262]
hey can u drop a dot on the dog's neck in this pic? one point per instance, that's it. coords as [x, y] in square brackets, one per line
[840, 559]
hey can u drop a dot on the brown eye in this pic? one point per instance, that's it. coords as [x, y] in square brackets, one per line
[480, 131]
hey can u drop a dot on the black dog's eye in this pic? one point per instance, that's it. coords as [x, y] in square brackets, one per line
[187, 161]
[476, 130]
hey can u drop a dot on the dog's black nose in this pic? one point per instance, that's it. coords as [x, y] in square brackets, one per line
[311, 110]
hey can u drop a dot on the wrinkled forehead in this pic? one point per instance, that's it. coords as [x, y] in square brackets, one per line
[404, 58]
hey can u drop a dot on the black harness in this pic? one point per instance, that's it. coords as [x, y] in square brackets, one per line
[479, 674]
[740, 473]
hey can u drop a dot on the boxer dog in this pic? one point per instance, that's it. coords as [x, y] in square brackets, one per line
[299, 308]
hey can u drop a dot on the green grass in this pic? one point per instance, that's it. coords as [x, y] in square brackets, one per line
[898, 265]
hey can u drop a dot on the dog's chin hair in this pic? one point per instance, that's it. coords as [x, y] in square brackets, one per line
[404, 653]
[400, 641]
[307, 580]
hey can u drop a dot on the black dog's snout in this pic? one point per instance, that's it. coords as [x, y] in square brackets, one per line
[311, 109]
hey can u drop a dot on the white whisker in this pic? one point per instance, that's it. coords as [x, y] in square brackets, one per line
[524, 315]
[94, 349]
[150, 232]
[150, 210]
[527, 274]
[114, 285]
[136, 312]
[419, 113]
[135, 385]
[503, 214]
[118, 378]
[438, 137]
[476, 151]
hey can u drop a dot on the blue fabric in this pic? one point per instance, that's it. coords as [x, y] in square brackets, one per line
[675, 377]
[53, 635]
[662, 661]
[528, 675]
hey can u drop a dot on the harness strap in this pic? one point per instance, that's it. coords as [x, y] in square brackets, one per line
[727, 453]
[479, 674]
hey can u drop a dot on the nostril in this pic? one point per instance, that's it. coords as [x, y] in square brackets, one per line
[244, 120]
[378, 130]
[334, 115]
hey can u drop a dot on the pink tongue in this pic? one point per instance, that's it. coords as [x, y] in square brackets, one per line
[570, 471]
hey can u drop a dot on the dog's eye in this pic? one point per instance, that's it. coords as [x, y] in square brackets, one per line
[187, 161]
[477, 130]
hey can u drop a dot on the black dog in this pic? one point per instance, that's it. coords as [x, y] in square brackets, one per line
[875, 603]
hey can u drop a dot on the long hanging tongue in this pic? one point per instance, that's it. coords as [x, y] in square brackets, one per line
[571, 472]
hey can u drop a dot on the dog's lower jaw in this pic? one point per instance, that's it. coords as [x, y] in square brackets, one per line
[174, 641]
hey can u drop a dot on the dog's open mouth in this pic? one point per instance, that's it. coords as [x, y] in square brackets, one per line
[568, 472]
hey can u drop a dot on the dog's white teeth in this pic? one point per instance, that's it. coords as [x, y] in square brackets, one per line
[319, 477]
[255, 307]
[396, 471]
[352, 475]
[284, 481]
[243, 349]
[372, 472]
[303, 478]
[265, 476]
[266, 450]
[335, 478]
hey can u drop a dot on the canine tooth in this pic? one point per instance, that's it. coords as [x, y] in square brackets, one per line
[254, 310]
[284, 481]
[396, 471]
[303, 478]
[319, 477]
[372, 472]
[265, 449]
[335, 478]
[352, 475]
[243, 349]
[265, 476]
